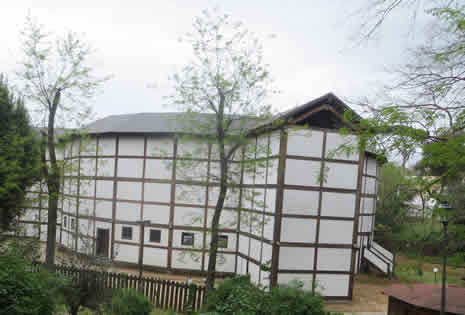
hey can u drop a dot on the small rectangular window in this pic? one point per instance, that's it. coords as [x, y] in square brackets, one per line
[65, 221]
[187, 239]
[155, 236]
[222, 241]
[72, 223]
[126, 233]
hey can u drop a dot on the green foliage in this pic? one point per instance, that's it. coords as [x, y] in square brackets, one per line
[24, 292]
[293, 300]
[130, 302]
[239, 296]
[19, 155]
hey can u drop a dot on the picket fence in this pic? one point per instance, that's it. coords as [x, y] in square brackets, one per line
[163, 294]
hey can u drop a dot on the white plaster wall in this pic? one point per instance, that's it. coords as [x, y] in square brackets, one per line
[305, 143]
[186, 260]
[255, 249]
[129, 191]
[159, 169]
[334, 259]
[262, 146]
[367, 205]
[131, 145]
[275, 139]
[334, 141]
[296, 258]
[104, 189]
[286, 278]
[243, 244]
[336, 232]
[333, 285]
[241, 266]
[298, 230]
[86, 207]
[192, 149]
[130, 168]
[103, 209]
[369, 185]
[160, 146]
[371, 165]
[224, 262]
[272, 171]
[155, 257]
[106, 167]
[127, 253]
[270, 201]
[268, 227]
[232, 197]
[157, 213]
[157, 192]
[87, 167]
[87, 187]
[338, 204]
[300, 172]
[254, 271]
[163, 236]
[107, 145]
[191, 170]
[339, 175]
[228, 218]
[189, 216]
[88, 145]
[365, 224]
[191, 194]
[300, 202]
[126, 211]
[267, 251]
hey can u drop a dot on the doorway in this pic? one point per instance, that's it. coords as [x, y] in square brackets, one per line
[103, 240]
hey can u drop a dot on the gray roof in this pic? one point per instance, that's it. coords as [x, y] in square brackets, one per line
[164, 123]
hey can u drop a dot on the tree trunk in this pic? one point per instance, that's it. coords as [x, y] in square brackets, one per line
[53, 185]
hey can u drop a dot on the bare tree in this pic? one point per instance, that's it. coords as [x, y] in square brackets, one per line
[56, 76]
[228, 83]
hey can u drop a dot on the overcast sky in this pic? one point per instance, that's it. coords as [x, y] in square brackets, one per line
[137, 42]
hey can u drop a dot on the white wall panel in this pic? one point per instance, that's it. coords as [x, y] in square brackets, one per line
[270, 202]
[127, 253]
[106, 167]
[87, 187]
[226, 262]
[299, 172]
[228, 218]
[157, 192]
[255, 249]
[254, 271]
[268, 227]
[104, 189]
[338, 204]
[129, 190]
[367, 205]
[272, 171]
[243, 244]
[130, 168]
[86, 207]
[341, 175]
[191, 170]
[305, 143]
[103, 209]
[127, 211]
[232, 197]
[298, 230]
[286, 278]
[336, 232]
[155, 257]
[191, 194]
[369, 185]
[186, 260]
[189, 216]
[334, 259]
[300, 202]
[157, 214]
[267, 252]
[365, 224]
[160, 146]
[129, 145]
[88, 146]
[335, 143]
[192, 149]
[241, 266]
[262, 146]
[87, 167]
[333, 285]
[107, 145]
[275, 139]
[371, 166]
[296, 258]
[159, 169]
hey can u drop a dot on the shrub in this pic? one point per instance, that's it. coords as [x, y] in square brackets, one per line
[291, 299]
[22, 291]
[235, 296]
[130, 302]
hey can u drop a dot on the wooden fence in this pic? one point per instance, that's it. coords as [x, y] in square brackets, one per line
[163, 294]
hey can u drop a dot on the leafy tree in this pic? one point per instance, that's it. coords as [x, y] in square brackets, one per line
[19, 155]
[226, 82]
[55, 76]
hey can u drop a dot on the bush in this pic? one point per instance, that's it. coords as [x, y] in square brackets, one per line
[22, 291]
[235, 296]
[130, 302]
[239, 296]
[293, 300]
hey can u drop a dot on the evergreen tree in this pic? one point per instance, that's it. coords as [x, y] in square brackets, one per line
[19, 155]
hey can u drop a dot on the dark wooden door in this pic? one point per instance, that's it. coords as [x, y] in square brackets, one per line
[103, 240]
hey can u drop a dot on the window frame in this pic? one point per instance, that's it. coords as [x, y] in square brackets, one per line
[123, 234]
[159, 235]
[187, 234]
[220, 238]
